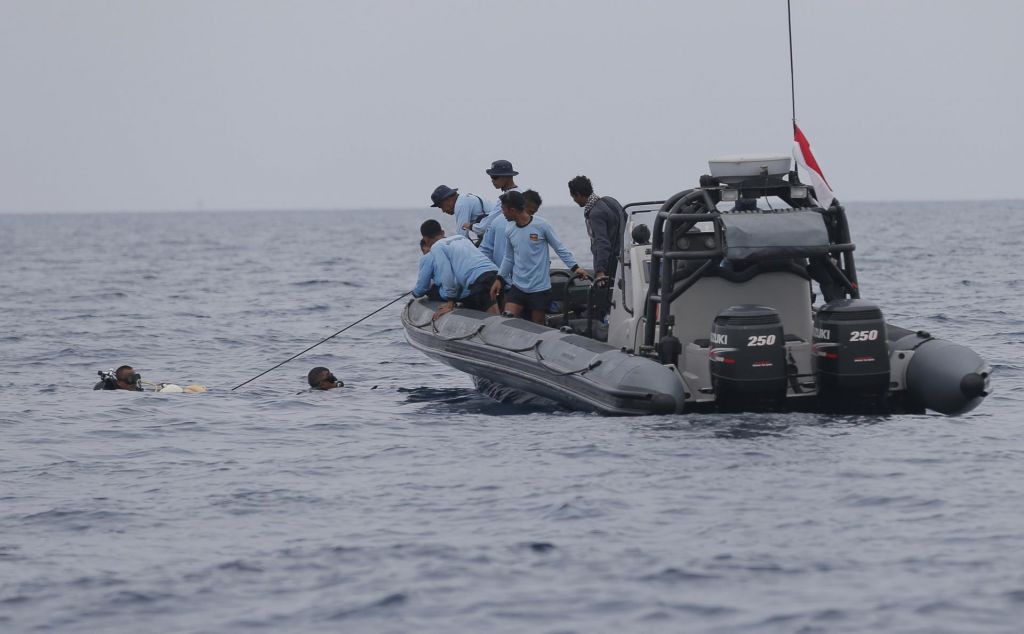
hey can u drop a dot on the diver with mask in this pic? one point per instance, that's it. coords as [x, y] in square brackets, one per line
[126, 378]
[123, 378]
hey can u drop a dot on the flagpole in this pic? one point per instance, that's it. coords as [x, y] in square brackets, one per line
[792, 80]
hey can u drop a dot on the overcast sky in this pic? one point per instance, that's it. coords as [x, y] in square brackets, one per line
[254, 104]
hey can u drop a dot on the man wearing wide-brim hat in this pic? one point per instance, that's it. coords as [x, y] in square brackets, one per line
[467, 208]
[503, 178]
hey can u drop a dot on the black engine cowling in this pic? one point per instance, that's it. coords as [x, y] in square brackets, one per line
[851, 357]
[748, 357]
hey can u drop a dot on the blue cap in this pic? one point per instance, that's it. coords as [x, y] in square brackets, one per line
[442, 192]
[501, 168]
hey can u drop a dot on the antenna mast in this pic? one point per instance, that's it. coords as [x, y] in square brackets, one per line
[792, 81]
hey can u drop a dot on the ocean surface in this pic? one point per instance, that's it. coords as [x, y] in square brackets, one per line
[408, 502]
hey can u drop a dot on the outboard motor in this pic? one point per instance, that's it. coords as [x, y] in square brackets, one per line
[851, 357]
[748, 357]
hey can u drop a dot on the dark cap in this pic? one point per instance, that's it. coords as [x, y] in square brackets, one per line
[501, 168]
[442, 192]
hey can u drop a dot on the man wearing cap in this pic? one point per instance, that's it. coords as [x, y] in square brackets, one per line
[526, 269]
[467, 209]
[503, 178]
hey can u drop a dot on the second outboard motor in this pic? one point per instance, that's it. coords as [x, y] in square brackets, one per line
[748, 357]
[851, 356]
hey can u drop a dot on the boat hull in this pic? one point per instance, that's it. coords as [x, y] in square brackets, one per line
[568, 369]
[514, 360]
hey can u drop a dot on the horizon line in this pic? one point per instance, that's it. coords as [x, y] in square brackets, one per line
[218, 210]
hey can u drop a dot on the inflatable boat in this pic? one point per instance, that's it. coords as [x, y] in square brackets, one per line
[714, 308]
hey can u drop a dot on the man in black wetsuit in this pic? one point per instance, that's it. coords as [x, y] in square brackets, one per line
[124, 378]
[321, 378]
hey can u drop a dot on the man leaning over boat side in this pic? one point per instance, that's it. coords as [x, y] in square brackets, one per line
[467, 276]
[428, 277]
[604, 225]
[502, 178]
[467, 208]
[526, 269]
[448, 285]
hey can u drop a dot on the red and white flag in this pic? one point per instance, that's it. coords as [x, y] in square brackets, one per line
[805, 158]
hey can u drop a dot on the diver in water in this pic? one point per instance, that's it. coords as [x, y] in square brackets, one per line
[123, 378]
[126, 378]
[320, 378]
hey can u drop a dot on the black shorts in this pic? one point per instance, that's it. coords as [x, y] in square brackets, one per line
[532, 301]
[479, 297]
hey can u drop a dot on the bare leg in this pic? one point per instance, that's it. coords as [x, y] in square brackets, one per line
[513, 309]
[537, 316]
[493, 309]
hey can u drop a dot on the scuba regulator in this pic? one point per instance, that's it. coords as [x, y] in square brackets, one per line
[108, 380]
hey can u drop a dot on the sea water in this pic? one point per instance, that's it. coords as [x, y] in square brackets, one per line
[407, 502]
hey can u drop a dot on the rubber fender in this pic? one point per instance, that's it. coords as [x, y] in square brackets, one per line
[943, 376]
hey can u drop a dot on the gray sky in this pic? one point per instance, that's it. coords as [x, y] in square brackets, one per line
[253, 104]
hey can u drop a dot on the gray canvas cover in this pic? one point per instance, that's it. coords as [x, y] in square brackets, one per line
[774, 236]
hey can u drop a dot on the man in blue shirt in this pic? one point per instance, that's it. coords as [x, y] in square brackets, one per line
[526, 268]
[502, 178]
[467, 275]
[467, 208]
[458, 271]
[493, 244]
[429, 274]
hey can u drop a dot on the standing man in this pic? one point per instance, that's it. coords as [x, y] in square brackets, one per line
[493, 244]
[527, 262]
[467, 208]
[604, 225]
[503, 179]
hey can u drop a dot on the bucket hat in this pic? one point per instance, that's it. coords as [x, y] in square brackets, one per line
[501, 168]
[442, 192]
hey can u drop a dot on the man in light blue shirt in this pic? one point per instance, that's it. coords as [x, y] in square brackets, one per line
[456, 269]
[467, 208]
[502, 178]
[526, 268]
[467, 275]
[428, 277]
[493, 244]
